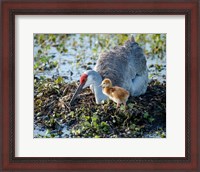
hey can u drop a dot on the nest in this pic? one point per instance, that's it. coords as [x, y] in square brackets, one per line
[144, 116]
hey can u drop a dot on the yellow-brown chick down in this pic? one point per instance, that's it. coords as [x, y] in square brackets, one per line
[115, 93]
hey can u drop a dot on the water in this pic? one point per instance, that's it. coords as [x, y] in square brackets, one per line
[83, 56]
[42, 132]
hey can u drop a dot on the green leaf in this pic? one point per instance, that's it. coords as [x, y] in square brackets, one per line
[146, 114]
[51, 120]
[59, 80]
[103, 124]
[132, 126]
[87, 124]
[163, 135]
[65, 50]
[72, 114]
[137, 129]
[87, 117]
[39, 51]
[38, 102]
[130, 105]
[151, 119]
[122, 107]
[47, 132]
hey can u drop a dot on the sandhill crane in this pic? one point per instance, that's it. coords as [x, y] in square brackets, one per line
[124, 65]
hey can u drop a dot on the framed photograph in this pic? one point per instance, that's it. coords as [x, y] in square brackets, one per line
[99, 85]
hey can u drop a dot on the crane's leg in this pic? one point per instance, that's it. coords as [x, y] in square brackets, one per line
[139, 85]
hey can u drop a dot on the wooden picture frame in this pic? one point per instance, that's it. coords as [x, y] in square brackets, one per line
[7, 86]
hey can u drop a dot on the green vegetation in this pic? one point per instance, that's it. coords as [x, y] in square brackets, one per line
[143, 116]
[87, 47]
[44, 43]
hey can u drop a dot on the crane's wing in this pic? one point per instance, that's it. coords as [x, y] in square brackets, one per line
[122, 64]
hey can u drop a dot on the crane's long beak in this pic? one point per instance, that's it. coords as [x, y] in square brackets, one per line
[78, 90]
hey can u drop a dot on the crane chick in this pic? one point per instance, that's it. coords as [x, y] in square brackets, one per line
[115, 93]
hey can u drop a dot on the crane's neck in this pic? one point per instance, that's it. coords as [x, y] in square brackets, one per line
[96, 82]
[99, 96]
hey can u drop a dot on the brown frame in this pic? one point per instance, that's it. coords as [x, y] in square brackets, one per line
[10, 8]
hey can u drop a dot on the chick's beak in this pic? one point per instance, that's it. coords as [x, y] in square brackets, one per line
[78, 90]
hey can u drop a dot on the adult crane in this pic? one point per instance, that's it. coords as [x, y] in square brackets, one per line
[124, 65]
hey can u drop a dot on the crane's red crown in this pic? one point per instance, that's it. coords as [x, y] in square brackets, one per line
[83, 78]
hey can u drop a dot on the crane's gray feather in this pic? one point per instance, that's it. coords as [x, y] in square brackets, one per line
[123, 65]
